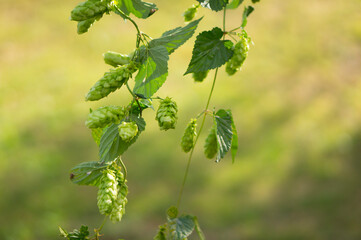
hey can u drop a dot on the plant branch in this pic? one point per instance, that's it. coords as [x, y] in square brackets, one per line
[202, 124]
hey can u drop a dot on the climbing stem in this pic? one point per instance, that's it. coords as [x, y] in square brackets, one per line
[199, 133]
[202, 124]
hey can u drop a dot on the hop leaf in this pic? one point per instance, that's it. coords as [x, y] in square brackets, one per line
[167, 114]
[240, 54]
[108, 192]
[189, 136]
[110, 82]
[104, 116]
[116, 59]
[200, 76]
[128, 130]
[190, 13]
[211, 147]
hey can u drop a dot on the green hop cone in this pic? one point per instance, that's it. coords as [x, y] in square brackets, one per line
[167, 114]
[108, 192]
[128, 130]
[89, 10]
[190, 13]
[200, 76]
[83, 26]
[110, 82]
[189, 136]
[116, 59]
[211, 146]
[104, 116]
[239, 56]
[119, 205]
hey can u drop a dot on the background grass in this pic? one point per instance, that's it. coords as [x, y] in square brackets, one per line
[296, 103]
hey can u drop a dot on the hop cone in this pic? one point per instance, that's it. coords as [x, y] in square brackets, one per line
[200, 76]
[107, 193]
[240, 54]
[167, 114]
[89, 10]
[116, 59]
[119, 205]
[190, 13]
[189, 136]
[128, 130]
[103, 116]
[211, 146]
[110, 82]
[83, 26]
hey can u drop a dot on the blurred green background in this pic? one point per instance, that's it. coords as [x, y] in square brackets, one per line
[296, 104]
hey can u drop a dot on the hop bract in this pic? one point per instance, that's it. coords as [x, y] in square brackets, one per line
[108, 192]
[211, 146]
[239, 56]
[110, 82]
[167, 114]
[119, 205]
[88, 10]
[189, 136]
[128, 130]
[103, 116]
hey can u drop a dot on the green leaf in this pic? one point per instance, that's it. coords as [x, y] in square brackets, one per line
[137, 7]
[215, 5]
[173, 39]
[112, 146]
[247, 11]
[153, 72]
[224, 121]
[255, 1]
[210, 51]
[181, 227]
[87, 173]
[154, 59]
[234, 4]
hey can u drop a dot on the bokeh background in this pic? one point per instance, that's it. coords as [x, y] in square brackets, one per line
[296, 104]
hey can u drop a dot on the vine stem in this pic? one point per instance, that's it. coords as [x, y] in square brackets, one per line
[203, 121]
[195, 142]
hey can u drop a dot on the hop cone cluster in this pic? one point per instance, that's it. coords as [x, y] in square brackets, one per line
[200, 76]
[190, 13]
[89, 10]
[167, 114]
[189, 136]
[211, 146]
[240, 54]
[108, 192]
[103, 116]
[128, 130]
[110, 82]
[116, 59]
